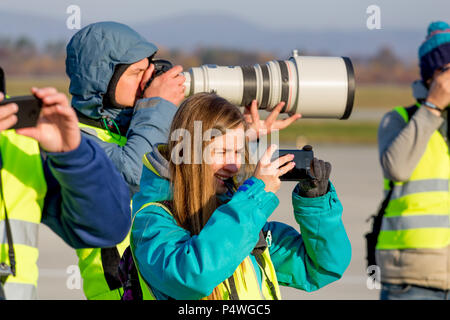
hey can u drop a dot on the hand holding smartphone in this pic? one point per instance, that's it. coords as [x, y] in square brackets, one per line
[28, 113]
[302, 159]
[29, 106]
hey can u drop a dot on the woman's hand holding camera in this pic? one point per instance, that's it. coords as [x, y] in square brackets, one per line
[270, 172]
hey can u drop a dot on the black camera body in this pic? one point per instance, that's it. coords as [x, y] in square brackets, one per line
[161, 66]
[29, 106]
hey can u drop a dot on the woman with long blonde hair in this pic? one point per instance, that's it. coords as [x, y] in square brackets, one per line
[200, 227]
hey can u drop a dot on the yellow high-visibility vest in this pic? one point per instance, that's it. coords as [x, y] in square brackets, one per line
[97, 264]
[418, 213]
[24, 189]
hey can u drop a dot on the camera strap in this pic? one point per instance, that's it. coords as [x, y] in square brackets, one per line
[101, 124]
[11, 254]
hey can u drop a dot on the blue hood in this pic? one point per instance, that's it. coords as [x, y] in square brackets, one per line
[92, 54]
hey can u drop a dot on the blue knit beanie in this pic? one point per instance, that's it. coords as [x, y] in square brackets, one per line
[435, 50]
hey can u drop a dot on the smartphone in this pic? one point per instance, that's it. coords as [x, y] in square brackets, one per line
[302, 159]
[29, 109]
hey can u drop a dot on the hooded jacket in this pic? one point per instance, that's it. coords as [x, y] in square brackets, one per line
[92, 55]
[176, 264]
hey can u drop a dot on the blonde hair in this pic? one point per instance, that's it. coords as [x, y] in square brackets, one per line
[193, 185]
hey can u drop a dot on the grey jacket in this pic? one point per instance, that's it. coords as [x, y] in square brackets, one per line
[401, 146]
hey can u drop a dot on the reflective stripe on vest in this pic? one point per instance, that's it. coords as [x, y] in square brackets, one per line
[245, 277]
[419, 186]
[417, 215]
[20, 291]
[98, 283]
[24, 189]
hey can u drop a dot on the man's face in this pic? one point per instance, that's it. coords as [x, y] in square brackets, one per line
[436, 73]
[128, 89]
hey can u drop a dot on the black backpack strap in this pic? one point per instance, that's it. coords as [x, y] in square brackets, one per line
[411, 110]
[257, 253]
[260, 260]
[110, 262]
[372, 236]
[232, 291]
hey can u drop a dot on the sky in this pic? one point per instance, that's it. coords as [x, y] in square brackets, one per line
[277, 15]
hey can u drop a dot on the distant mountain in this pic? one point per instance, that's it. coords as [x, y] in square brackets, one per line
[190, 31]
[37, 28]
[219, 30]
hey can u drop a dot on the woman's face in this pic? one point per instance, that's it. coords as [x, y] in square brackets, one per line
[226, 156]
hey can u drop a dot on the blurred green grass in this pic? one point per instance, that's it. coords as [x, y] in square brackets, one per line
[18, 86]
[330, 131]
[381, 97]
[366, 96]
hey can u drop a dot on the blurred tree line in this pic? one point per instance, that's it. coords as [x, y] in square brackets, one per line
[22, 57]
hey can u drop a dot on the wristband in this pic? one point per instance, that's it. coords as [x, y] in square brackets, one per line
[432, 106]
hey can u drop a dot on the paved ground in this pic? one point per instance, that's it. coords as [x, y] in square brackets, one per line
[367, 114]
[357, 177]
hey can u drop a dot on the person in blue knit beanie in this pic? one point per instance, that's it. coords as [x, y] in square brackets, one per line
[434, 53]
[413, 245]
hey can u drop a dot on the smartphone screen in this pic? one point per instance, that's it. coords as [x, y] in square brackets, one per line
[29, 109]
[302, 159]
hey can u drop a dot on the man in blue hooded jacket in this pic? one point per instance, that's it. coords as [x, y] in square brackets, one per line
[109, 65]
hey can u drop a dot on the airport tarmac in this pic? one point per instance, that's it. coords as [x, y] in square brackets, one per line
[357, 177]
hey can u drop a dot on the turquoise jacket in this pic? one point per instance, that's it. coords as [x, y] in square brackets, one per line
[178, 265]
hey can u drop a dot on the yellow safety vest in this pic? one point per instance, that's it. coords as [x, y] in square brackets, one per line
[418, 212]
[96, 269]
[24, 189]
[245, 277]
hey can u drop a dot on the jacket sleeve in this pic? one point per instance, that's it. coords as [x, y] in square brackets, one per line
[321, 253]
[401, 144]
[87, 202]
[185, 266]
[149, 126]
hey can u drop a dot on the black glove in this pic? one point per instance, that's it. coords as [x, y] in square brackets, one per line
[317, 185]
